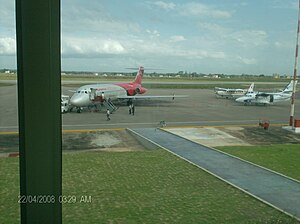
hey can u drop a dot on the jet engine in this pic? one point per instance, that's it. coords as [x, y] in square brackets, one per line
[139, 90]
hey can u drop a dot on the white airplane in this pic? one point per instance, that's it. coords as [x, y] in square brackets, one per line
[105, 94]
[233, 93]
[267, 98]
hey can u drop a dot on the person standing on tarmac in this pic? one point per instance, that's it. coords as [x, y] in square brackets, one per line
[102, 97]
[108, 114]
[132, 109]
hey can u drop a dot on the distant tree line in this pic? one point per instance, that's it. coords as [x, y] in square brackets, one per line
[179, 74]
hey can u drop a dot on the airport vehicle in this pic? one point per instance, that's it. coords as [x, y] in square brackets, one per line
[104, 95]
[233, 93]
[65, 103]
[265, 98]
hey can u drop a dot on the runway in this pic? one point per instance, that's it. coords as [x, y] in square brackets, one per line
[200, 108]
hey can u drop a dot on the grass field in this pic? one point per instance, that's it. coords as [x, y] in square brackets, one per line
[172, 79]
[140, 187]
[283, 158]
[260, 86]
[177, 83]
[157, 79]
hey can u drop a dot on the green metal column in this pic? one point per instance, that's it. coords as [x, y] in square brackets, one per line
[39, 90]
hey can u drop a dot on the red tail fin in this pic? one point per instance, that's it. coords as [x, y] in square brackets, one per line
[139, 75]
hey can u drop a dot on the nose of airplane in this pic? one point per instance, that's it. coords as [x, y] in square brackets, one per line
[240, 99]
[75, 100]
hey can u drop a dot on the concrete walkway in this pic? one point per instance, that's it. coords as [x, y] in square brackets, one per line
[276, 190]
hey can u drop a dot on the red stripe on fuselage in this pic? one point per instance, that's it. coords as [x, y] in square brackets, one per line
[129, 87]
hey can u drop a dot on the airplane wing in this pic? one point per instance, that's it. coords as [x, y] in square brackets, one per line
[268, 94]
[280, 93]
[136, 97]
[263, 94]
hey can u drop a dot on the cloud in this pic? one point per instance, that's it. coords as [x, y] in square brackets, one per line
[7, 46]
[7, 12]
[91, 47]
[165, 5]
[218, 55]
[82, 17]
[220, 30]
[247, 61]
[283, 4]
[171, 50]
[153, 33]
[283, 45]
[193, 9]
[177, 38]
[243, 3]
[250, 37]
[199, 9]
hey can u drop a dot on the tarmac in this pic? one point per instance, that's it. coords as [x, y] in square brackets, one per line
[200, 108]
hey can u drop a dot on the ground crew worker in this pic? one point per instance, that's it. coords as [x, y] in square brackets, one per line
[132, 109]
[102, 96]
[108, 114]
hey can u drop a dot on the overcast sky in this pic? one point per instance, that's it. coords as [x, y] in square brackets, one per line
[208, 36]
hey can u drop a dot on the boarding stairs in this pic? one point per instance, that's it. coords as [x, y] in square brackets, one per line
[97, 96]
[107, 104]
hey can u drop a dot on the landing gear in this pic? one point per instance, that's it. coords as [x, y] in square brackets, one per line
[247, 102]
[78, 109]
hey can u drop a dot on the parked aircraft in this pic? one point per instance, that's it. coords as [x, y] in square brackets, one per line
[233, 93]
[105, 94]
[267, 98]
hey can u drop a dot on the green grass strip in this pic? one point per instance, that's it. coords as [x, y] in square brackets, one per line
[283, 158]
[140, 187]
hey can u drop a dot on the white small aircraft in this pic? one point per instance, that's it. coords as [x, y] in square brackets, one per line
[104, 94]
[233, 93]
[267, 98]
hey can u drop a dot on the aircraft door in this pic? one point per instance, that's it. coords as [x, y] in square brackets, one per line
[92, 94]
[97, 95]
[271, 98]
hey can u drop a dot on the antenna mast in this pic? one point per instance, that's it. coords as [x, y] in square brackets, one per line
[295, 73]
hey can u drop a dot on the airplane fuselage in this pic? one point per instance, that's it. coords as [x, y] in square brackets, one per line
[256, 98]
[82, 96]
[104, 94]
[231, 93]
